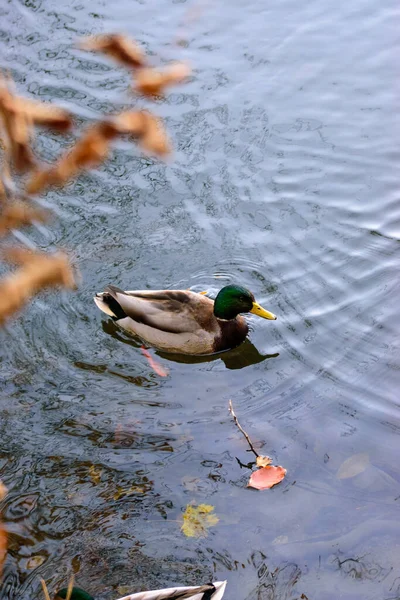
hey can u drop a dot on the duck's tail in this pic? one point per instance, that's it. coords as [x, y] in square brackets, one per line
[107, 302]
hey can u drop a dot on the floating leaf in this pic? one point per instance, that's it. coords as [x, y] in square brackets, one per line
[122, 49]
[35, 561]
[266, 478]
[197, 519]
[263, 461]
[123, 491]
[353, 466]
[95, 474]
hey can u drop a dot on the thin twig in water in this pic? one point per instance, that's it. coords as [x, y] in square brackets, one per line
[241, 429]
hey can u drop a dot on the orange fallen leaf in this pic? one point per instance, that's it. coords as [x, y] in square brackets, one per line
[37, 271]
[94, 146]
[89, 151]
[17, 129]
[266, 477]
[157, 367]
[145, 127]
[46, 115]
[122, 49]
[152, 82]
[154, 138]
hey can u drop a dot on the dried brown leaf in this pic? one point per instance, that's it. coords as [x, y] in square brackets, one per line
[148, 129]
[46, 115]
[3, 490]
[132, 123]
[266, 478]
[17, 127]
[152, 82]
[125, 51]
[89, 151]
[19, 214]
[37, 272]
[94, 146]
[154, 139]
[3, 195]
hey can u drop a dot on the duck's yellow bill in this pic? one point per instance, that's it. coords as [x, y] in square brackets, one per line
[261, 312]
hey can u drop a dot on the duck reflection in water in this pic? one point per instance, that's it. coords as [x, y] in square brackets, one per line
[242, 356]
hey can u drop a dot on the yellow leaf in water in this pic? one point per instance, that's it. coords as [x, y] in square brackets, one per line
[197, 519]
[128, 491]
[95, 474]
[124, 590]
[353, 466]
[263, 461]
[35, 561]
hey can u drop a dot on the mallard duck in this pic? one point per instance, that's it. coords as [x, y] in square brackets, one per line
[210, 591]
[182, 321]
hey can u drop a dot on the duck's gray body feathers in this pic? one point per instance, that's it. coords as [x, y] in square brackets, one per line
[179, 321]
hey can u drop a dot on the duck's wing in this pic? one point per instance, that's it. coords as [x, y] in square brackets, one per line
[210, 591]
[170, 311]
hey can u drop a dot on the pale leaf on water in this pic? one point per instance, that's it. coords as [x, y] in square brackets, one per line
[35, 561]
[198, 519]
[352, 466]
[263, 461]
[95, 474]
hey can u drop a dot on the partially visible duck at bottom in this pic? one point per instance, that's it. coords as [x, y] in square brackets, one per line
[210, 591]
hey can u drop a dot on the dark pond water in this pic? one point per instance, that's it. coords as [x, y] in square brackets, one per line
[284, 179]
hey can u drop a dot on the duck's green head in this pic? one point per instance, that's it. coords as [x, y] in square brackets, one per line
[235, 299]
[77, 594]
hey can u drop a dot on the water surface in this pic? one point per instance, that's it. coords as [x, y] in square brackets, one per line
[284, 179]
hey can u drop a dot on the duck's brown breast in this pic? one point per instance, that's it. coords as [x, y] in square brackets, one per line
[232, 333]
